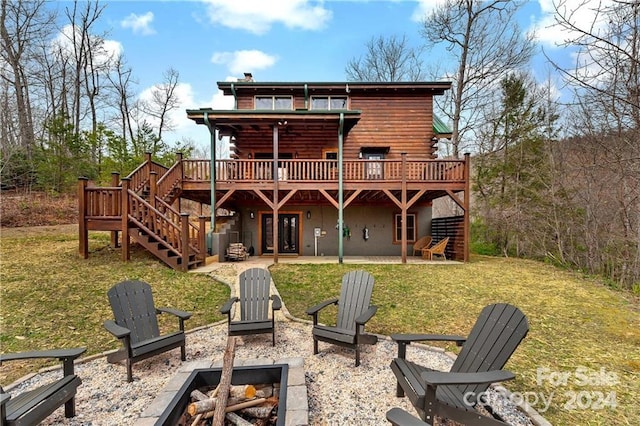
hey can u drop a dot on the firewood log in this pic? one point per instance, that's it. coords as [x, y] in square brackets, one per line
[237, 420]
[225, 381]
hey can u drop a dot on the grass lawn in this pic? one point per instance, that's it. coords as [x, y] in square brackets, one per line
[50, 297]
[579, 330]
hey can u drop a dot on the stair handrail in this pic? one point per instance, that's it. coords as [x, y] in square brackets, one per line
[170, 212]
[140, 175]
[156, 223]
[169, 180]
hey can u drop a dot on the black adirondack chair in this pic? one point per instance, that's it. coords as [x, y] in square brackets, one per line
[31, 407]
[398, 417]
[136, 325]
[254, 305]
[354, 311]
[455, 394]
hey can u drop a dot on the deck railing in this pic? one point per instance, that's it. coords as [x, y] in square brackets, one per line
[326, 170]
[103, 203]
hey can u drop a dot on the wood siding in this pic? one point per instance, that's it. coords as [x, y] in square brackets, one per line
[400, 121]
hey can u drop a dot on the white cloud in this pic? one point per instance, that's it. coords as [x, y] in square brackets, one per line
[244, 60]
[580, 13]
[424, 8]
[139, 24]
[257, 16]
[104, 52]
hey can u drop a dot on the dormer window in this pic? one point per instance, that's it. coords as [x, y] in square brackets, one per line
[329, 102]
[274, 102]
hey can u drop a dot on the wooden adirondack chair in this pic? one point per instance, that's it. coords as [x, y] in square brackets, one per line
[438, 249]
[31, 407]
[455, 394]
[421, 243]
[254, 305]
[136, 325]
[398, 417]
[353, 313]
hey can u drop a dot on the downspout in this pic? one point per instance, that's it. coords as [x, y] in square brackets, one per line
[235, 98]
[306, 96]
[340, 191]
[212, 133]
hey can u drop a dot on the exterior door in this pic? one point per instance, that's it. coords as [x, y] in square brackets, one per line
[288, 233]
[374, 168]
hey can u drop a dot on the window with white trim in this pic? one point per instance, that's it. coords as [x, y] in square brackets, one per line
[274, 102]
[411, 228]
[328, 102]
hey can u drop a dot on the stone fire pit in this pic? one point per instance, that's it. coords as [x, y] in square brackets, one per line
[172, 398]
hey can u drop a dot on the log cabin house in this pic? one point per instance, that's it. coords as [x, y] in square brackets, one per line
[348, 169]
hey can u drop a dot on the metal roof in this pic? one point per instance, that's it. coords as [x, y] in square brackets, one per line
[440, 128]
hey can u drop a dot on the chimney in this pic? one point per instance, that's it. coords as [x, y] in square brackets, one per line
[248, 77]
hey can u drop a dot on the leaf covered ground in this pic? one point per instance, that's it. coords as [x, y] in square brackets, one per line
[580, 330]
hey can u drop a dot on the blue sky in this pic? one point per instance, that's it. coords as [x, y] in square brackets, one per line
[279, 40]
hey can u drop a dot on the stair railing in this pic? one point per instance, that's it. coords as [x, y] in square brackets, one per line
[196, 234]
[170, 180]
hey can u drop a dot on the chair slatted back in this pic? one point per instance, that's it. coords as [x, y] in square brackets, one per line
[440, 246]
[254, 294]
[495, 336]
[355, 298]
[421, 243]
[133, 308]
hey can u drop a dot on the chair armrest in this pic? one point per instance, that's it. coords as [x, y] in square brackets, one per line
[67, 356]
[276, 305]
[437, 378]
[366, 315]
[405, 339]
[115, 329]
[226, 308]
[61, 354]
[408, 338]
[399, 417]
[183, 315]
[4, 397]
[314, 309]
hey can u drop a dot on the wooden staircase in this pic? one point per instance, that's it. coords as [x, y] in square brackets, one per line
[140, 207]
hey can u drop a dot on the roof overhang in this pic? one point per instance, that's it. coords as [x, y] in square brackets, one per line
[222, 118]
[435, 87]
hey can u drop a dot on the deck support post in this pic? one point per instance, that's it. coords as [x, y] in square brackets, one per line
[403, 202]
[467, 198]
[212, 134]
[184, 223]
[115, 181]
[124, 203]
[276, 210]
[340, 191]
[83, 234]
[202, 240]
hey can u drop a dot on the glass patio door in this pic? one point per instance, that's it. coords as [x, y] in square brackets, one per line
[288, 233]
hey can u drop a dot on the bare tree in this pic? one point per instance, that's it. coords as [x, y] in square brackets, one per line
[606, 119]
[387, 59]
[121, 83]
[83, 45]
[22, 24]
[164, 99]
[486, 42]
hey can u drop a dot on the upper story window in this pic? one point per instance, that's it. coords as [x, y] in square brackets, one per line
[274, 102]
[329, 102]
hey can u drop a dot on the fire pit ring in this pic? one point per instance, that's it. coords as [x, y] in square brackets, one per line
[169, 405]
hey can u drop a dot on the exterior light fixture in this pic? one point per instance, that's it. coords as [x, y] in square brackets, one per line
[308, 214]
[252, 215]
